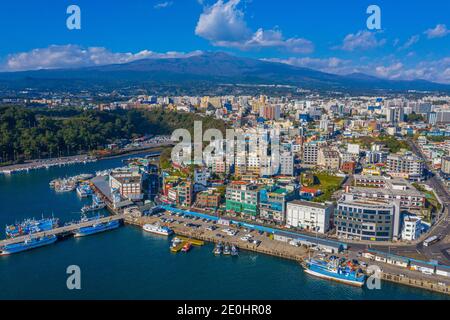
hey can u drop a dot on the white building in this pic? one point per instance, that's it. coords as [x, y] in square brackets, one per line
[353, 148]
[287, 164]
[411, 228]
[308, 215]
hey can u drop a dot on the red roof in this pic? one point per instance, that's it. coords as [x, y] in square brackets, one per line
[309, 190]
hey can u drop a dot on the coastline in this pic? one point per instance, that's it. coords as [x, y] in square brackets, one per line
[283, 250]
[76, 159]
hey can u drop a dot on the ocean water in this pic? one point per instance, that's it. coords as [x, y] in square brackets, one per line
[126, 263]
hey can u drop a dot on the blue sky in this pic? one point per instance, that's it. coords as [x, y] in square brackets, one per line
[329, 35]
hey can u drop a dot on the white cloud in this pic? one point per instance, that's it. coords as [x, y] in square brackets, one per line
[391, 71]
[362, 40]
[411, 41]
[224, 25]
[437, 32]
[73, 56]
[388, 68]
[330, 65]
[223, 22]
[163, 5]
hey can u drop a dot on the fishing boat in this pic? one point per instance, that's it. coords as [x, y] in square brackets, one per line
[97, 228]
[30, 226]
[234, 250]
[227, 250]
[218, 249]
[186, 247]
[84, 191]
[97, 204]
[28, 244]
[334, 270]
[176, 241]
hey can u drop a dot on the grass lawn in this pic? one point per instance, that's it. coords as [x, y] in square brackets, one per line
[327, 181]
[328, 184]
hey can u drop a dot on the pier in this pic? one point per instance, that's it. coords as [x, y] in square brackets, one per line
[65, 230]
[267, 246]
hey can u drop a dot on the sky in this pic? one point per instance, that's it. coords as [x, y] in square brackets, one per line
[328, 35]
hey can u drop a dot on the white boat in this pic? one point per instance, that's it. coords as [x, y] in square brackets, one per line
[176, 242]
[157, 229]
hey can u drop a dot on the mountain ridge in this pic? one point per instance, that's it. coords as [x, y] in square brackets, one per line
[220, 67]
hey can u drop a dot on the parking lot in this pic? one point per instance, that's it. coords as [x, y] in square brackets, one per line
[209, 230]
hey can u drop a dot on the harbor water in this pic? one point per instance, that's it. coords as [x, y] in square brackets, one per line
[127, 263]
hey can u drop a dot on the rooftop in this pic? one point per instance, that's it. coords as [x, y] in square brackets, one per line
[309, 204]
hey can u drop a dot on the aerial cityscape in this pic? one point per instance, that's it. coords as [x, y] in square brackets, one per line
[245, 163]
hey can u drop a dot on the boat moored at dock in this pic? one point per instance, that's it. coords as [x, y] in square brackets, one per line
[28, 244]
[30, 226]
[335, 270]
[84, 191]
[97, 228]
[97, 204]
[187, 247]
[218, 249]
[157, 229]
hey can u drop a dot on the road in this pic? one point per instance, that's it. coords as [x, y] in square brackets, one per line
[439, 251]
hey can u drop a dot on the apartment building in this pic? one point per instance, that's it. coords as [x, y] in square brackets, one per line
[310, 153]
[328, 159]
[286, 164]
[406, 166]
[185, 193]
[272, 205]
[242, 198]
[208, 199]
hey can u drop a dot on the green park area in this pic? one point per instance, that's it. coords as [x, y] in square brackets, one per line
[324, 182]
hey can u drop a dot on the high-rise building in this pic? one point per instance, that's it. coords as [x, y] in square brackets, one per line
[394, 114]
[270, 112]
[310, 153]
[287, 163]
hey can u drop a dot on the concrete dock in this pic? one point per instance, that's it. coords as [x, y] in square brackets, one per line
[267, 246]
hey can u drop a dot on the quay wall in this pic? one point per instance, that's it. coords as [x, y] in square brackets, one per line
[283, 250]
[417, 283]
